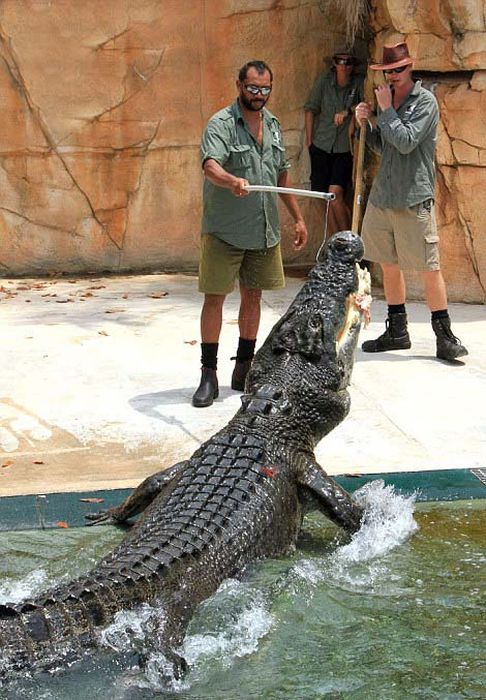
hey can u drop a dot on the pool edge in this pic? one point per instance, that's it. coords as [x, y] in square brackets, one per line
[65, 510]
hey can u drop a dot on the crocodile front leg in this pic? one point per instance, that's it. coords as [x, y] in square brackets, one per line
[138, 500]
[332, 500]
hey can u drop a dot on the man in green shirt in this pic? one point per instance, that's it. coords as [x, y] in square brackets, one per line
[241, 145]
[399, 228]
[328, 115]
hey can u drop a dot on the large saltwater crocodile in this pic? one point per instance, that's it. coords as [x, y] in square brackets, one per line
[239, 498]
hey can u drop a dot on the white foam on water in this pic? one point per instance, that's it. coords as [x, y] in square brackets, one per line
[128, 628]
[360, 565]
[388, 522]
[237, 640]
[130, 631]
[17, 591]
[237, 612]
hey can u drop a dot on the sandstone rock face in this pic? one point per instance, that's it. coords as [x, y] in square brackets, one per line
[448, 42]
[103, 105]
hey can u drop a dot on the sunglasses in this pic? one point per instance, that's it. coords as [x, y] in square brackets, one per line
[343, 61]
[395, 70]
[254, 90]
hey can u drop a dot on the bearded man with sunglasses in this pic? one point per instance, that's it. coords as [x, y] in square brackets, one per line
[399, 228]
[241, 145]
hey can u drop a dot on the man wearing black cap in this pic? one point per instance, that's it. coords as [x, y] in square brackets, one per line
[399, 228]
[328, 114]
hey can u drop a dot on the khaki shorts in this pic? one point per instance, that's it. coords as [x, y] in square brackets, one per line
[404, 237]
[221, 263]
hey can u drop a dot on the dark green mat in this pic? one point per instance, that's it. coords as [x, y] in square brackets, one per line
[68, 509]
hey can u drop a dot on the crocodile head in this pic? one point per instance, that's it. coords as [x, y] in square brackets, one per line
[299, 377]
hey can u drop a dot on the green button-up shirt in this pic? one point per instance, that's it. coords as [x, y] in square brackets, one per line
[406, 140]
[250, 222]
[325, 100]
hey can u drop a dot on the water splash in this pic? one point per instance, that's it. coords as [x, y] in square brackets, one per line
[237, 640]
[388, 523]
[17, 590]
[361, 564]
[129, 628]
[232, 622]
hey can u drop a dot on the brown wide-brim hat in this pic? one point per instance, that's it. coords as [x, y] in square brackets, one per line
[394, 56]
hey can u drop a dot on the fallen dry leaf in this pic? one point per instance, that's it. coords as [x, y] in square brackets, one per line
[92, 500]
[38, 461]
[124, 296]
[63, 301]
[114, 311]
[102, 333]
[190, 342]
[7, 464]
[61, 523]
[87, 294]
[158, 295]
[97, 286]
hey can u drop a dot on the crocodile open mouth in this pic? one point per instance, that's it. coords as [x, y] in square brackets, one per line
[357, 307]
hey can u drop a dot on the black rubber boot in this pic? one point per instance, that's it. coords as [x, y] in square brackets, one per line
[242, 367]
[207, 390]
[395, 337]
[448, 346]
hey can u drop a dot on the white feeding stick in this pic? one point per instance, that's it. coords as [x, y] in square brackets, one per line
[291, 190]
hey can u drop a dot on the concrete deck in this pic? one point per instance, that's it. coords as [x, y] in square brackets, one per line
[97, 376]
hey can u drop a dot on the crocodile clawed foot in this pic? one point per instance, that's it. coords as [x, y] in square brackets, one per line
[178, 663]
[173, 667]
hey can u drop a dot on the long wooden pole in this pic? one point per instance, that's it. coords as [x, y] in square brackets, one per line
[359, 184]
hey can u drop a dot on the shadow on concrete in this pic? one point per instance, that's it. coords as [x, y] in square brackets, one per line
[391, 357]
[148, 403]
[152, 404]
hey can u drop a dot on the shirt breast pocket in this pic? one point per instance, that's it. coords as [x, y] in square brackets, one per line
[239, 158]
[278, 153]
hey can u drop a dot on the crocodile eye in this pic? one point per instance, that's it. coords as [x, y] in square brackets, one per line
[341, 242]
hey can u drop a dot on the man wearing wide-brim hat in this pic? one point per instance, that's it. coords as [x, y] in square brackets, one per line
[399, 228]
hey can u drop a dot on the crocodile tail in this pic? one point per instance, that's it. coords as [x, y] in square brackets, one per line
[64, 622]
[60, 624]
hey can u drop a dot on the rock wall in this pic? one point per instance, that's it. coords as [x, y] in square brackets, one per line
[102, 109]
[447, 39]
[103, 104]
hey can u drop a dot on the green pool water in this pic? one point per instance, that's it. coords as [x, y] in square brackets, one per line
[330, 621]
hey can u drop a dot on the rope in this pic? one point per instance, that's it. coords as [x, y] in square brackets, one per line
[325, 231]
